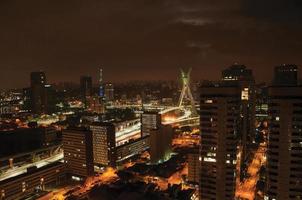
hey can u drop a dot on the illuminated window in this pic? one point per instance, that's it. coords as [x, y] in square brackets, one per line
[206, 159]
[209, 101]
[245, 94]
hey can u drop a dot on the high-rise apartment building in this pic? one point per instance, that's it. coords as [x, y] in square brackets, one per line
[78, 152]
[239, 74]
[284, 161]
[220, 140]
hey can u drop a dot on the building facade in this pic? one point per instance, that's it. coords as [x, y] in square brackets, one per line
[78, 152]
[150, 120]
[104, 153]
[194, 166]
[284, 161]
[220, 140]
[160, 144]
[37, 179]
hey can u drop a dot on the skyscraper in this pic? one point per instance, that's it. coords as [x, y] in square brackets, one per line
[101, 84]
[38, 92]
[86, 88]
[286, 75]
[78, 152]
[220, 140]
[284, 161]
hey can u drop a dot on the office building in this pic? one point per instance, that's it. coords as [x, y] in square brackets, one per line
[109, 92]
[220, 140]
[132, 148]
[38, 92]
[150, 120]
[115, 143]
[78, 152]
[284, 162]
[286, 75]
[104, 152]
[160, 144]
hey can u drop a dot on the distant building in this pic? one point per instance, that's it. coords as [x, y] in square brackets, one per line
[38, 92]
[95, 104]
[78, 152]
[150, 120]
[104, 152]
[220, 139]
[26, 97]
[160, 144]
[101, 92]
[109, 92]
[286, 75]
[284, 166]
[86, 88]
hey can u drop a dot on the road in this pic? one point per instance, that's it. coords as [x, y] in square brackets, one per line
[247, 188]
[107, 177]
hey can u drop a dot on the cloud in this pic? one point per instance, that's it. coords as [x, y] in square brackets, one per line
[133, 36]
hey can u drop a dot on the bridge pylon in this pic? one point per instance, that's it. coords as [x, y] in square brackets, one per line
[186, 91]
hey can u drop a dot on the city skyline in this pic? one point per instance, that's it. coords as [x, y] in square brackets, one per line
[134, 40]
[151, 99]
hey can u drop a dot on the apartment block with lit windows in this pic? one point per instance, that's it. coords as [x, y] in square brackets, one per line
[220, 140]
[284, 154]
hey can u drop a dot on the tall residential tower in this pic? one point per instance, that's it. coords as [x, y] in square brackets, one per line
[284, 157]
[220, 140]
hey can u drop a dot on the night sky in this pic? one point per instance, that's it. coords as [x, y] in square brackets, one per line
[145, 39]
